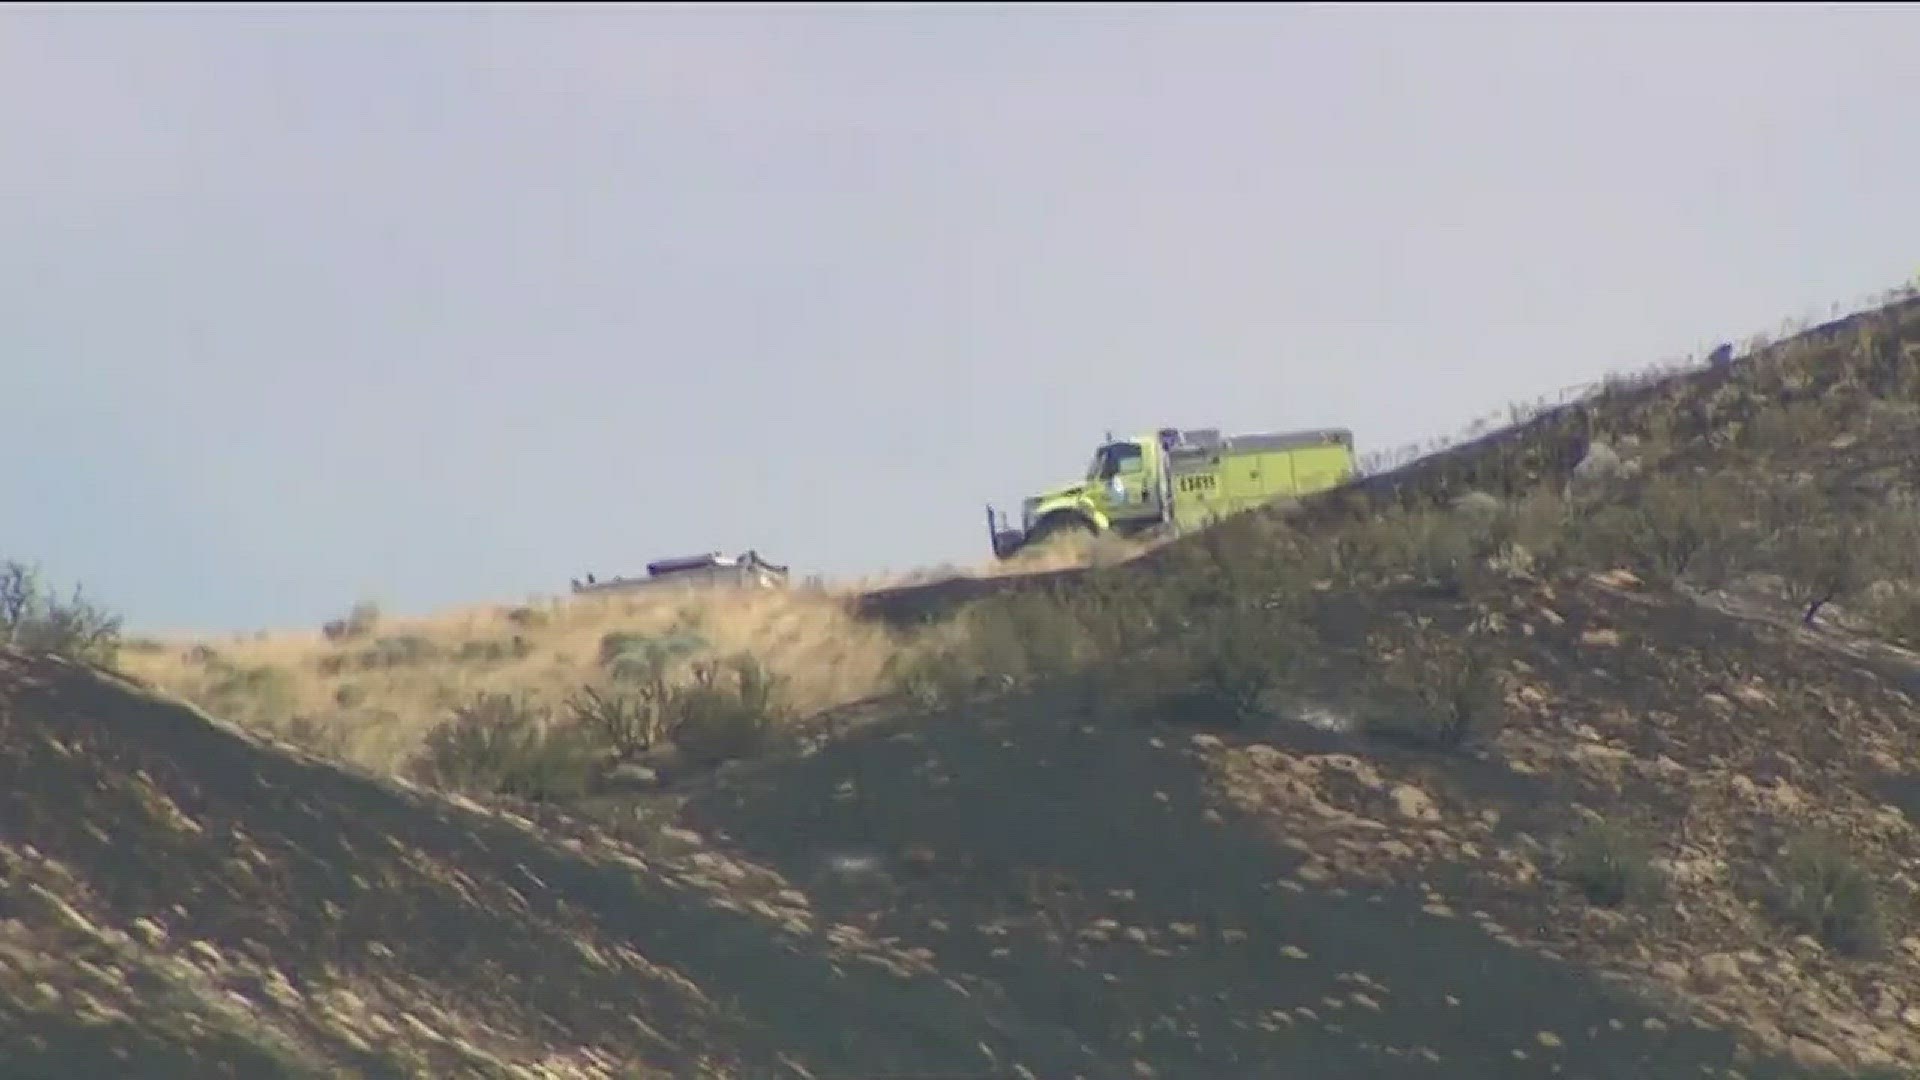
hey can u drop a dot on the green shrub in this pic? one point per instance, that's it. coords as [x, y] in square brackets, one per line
[1444, 549]
[1610, 865]
[725, 710]
[1027, 636]
[641, 658]
[1675, 526]
[935, 677]
[730, 710]
[1826, 554]
[1826, 892]
[1440, 694]
[1022, 640]
[500, 744]
[34, 618]
[1226, 661]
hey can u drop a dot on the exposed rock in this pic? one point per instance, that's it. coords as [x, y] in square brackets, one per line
[628, 774]
[1411, 802]
[1718, 969]
[1812, 1055]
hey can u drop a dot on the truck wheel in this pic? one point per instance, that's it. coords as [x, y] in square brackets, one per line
[1054, 526]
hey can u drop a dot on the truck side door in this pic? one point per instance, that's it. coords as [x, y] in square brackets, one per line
[1126, 462]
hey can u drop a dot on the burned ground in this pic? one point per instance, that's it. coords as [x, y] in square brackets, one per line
[283, 917]
[1049, 896]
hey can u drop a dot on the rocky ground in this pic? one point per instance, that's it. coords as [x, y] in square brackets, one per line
[969, 895]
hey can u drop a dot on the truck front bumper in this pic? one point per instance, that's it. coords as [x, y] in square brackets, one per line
[1001, 533]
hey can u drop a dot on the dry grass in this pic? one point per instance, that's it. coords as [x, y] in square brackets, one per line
[369, 690]
[1063, 552]
[372, 699]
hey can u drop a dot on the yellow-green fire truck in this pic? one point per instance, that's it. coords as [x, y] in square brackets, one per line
[1182, 480]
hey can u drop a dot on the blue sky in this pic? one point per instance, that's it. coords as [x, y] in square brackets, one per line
[433, 305]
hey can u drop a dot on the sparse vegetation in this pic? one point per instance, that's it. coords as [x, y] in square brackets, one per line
[731, 710]
[35, 618]
[1826, 892]
[1440, 693]
[1610, 864]
[1824, 558]
[397, 651]
[1673, 525]
[359, 622]
[632, 722]
[498, 743]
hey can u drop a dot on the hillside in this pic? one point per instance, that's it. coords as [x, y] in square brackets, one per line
[185, 901]
[1586, 750]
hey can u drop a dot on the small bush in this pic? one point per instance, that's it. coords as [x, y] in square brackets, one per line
[398, 652]
[325, 737]
[1824, 557]
[497, 743]
[516, 648]
[358, 623]
[34, 618]
[1441, 694]
[731, 710]
[1827, 893]
[1022, 640]
[1444, 549]
[529, 618]
[1227, 660]
[641, 658]
[936, 676]
[1028, 636]
[726, 710]
[1610, 865]
[632, 722]
[1675, 527]
[260, 695]
[1897, 613]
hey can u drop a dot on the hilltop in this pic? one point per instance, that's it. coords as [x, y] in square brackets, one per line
[1584, 749]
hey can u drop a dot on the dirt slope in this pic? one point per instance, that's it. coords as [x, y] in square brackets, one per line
[184, 901]
[1153, 884]
[1087, 874]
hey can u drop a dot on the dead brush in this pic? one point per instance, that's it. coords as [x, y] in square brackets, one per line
[631, 722]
